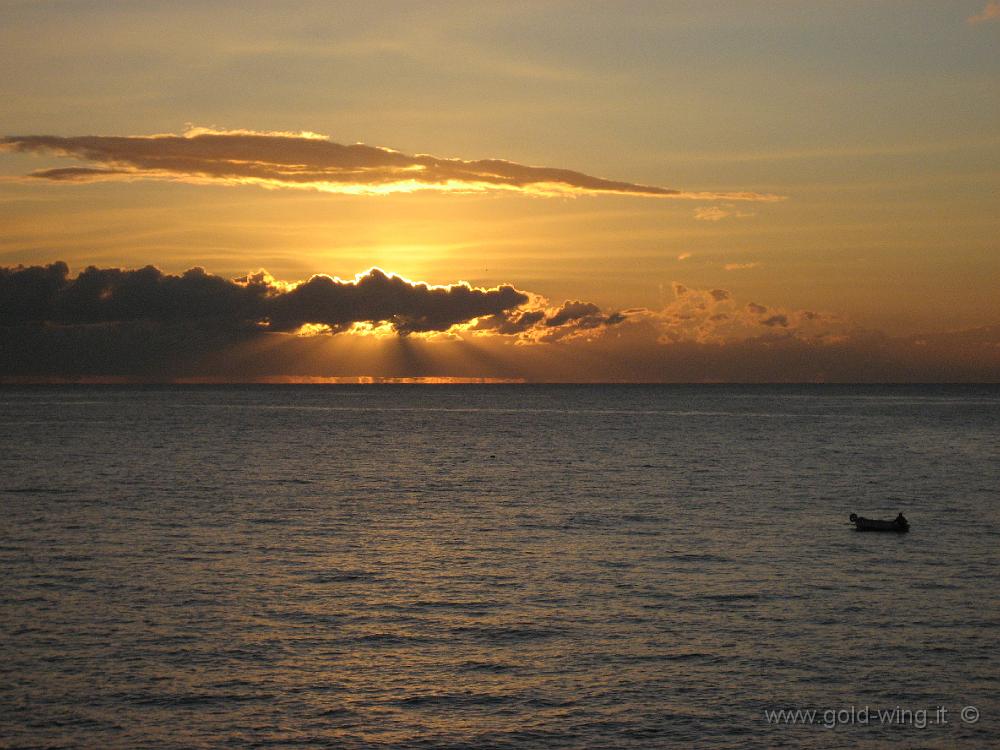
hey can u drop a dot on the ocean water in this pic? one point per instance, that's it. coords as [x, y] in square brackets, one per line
[498, 566]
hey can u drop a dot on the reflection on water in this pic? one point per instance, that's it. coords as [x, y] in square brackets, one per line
[494, 566]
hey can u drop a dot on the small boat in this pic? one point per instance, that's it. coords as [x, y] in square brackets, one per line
[899, 524]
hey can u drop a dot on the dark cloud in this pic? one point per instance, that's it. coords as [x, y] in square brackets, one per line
[308, 161]
[755, 308]
[572, 319]
[148, 325]
[720, 294]
[572, 311]
[377, 297]
[511, 323]
[49, 296]
[575, 317]
[112, 295]
[28, 293]
[77, 174]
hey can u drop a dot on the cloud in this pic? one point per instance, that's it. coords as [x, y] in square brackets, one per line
[715, 213]
[572, 311]
[990, 13]
[739, 266]
[144, 324]
[575, 318]
[712, 213]
[372, 301]
[47, 295]
[78, 174]
[683, 256]
[571, 320]
[312, 162]
[512, 323]
[713, 316]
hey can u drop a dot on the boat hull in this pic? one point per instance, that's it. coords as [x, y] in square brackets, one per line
[873, 524]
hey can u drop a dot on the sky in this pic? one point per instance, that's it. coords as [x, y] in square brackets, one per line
[623, 191]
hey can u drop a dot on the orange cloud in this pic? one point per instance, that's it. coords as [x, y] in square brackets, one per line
[309, 161]
[990, 13]
[713, 316]
[740, 266]
[715, 213]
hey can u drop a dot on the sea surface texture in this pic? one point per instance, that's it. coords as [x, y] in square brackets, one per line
[498, 566]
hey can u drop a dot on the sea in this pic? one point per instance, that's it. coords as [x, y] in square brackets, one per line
[498, 566]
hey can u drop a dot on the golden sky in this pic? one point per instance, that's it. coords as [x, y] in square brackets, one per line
[669, 190]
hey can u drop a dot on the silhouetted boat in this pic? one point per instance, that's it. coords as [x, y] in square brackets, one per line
[899, 524]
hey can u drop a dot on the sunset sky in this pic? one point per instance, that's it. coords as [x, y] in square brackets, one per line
[675, 191]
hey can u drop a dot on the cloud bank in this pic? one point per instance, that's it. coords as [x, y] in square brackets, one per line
[313, 162]
[47, 295]
[143, 324]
